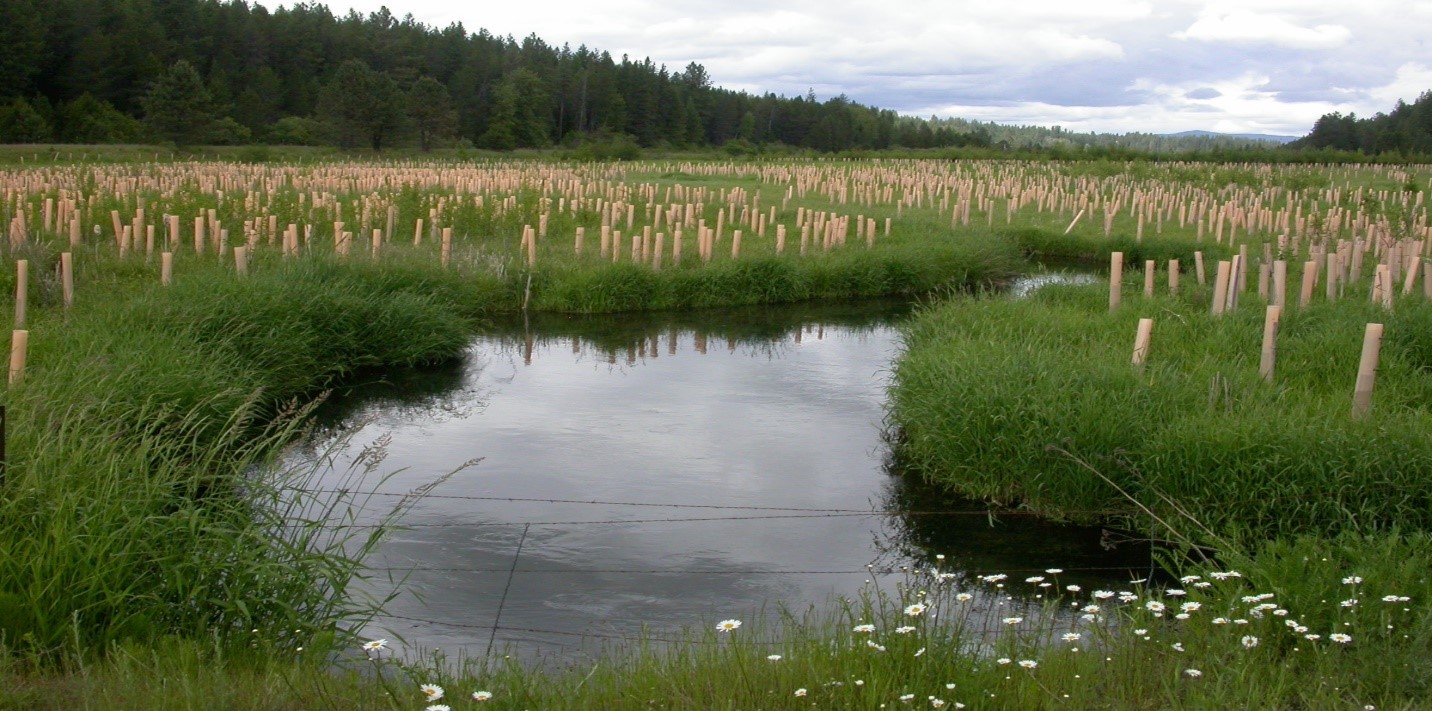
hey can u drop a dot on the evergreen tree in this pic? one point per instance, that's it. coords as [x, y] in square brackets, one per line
[91, 120]
[519, 118]
[431, 111]
[361, 105]
[21, 123]
[178, 107]
[22, 45]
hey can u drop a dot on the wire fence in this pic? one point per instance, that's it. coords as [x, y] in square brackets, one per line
[512, 567]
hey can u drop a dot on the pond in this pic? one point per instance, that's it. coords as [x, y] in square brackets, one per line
[657, 472]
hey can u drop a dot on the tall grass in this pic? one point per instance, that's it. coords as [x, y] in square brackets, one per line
[906, 270]
[1048, 244]
[131, 510]
[1034, 403]
[1271, 631]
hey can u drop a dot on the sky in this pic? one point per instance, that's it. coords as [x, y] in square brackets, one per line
[1117, 66]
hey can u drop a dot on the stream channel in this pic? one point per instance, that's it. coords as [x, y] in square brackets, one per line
[656, 471]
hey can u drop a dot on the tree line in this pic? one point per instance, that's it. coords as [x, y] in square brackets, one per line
[1406, 130]
[226, 72]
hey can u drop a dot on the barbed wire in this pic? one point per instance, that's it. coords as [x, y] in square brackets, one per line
[562, 633]
[992, 632]
[753, 571]
[600, 522]
[596, 502]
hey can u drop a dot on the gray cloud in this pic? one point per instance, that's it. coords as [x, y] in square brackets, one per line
[1275, 65]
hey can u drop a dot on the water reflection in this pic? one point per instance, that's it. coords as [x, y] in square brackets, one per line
[971, 541]
[655, 472]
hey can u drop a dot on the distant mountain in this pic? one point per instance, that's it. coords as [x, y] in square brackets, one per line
[1270, 138]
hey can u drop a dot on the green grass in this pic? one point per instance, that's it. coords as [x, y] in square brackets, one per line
[973, 643]
[1035, 403]
[130, 508]
[144, 565]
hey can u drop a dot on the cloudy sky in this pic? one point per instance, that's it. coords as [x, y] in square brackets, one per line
[1261, 66]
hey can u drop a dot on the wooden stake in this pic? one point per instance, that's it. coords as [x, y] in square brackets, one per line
[1220, 287]
[67, 278]
[1270, 342]
[1305, 289]
[19, 343]
[1116, 279]
[1280, 283]
[1332, 271]
[1141, 341]
[1367, 370]
[22, 291]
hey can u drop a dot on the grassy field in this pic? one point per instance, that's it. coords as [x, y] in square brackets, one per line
[143, 565]
[1035, 403]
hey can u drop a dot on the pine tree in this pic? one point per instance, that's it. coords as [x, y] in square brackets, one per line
[178, 107]
[361, 105]
[21, 123]
[431, 111]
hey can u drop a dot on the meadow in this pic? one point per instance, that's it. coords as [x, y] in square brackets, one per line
[179, 319]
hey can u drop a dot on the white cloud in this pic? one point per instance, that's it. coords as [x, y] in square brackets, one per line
[1109, 65]
[1263, 28]
[1411, 80]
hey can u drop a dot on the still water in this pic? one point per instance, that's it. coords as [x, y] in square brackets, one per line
[593, 477]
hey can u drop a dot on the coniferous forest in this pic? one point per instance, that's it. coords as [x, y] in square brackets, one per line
[192, 71]
[227, 72]
[1406, 130]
